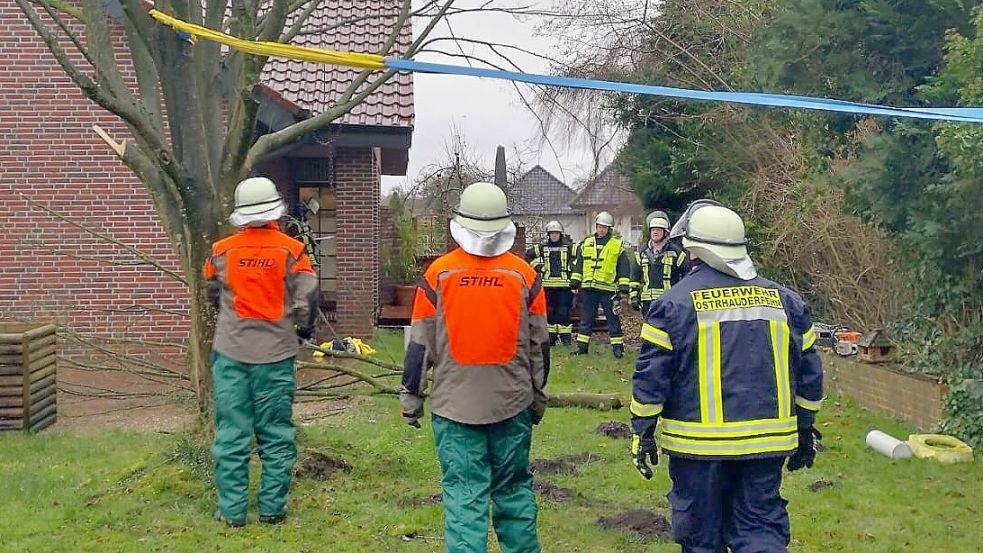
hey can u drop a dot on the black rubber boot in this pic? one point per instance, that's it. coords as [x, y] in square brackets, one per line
[618, 350]
[581, 349]
[273, 519]
[565, 339]
[230, 522]
[552, 339]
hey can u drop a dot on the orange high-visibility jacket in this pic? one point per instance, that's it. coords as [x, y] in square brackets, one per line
[263, 284]
[480, 322]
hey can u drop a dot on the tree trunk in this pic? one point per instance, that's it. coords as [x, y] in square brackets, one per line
[199, 350]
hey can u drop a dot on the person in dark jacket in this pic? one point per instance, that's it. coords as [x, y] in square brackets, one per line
[729, 363]
[658, 265]
[553, 259]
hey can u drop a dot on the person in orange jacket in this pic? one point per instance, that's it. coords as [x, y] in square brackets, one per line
[479, 320]
[266, 292]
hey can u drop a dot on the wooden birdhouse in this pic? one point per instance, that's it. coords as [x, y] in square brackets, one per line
[874, 347]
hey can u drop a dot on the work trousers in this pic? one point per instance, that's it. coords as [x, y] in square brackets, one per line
[589, 301]
[558, 303]
[736, 504]
[484, 465]
[253, 400]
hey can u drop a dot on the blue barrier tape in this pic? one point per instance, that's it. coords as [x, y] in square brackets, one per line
[961, 115]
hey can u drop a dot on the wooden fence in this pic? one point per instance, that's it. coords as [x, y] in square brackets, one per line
[28, 377]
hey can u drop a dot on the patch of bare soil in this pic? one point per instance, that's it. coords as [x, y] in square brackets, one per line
[613, 429]
[318, 466]
[820, 485]
[425, 501]
[568, 464]
[95, 400]
[646, 524]
[552, 492]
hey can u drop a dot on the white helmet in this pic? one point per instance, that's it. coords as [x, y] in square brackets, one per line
[483, 208]
[482, 225]
[554, 226]
[257, 201]
[604, 218]
[715, 234]
[658, 219]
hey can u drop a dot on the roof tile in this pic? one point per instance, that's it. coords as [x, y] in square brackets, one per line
[348, 26]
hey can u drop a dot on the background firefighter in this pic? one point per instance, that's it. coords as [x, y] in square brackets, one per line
[298, 227]
[553, 260]
[658, 265]
[602, 272]
[489, 375]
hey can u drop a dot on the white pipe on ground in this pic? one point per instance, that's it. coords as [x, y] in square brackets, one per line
[888, 445]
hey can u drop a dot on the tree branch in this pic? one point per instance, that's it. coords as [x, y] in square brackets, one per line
[147, 258]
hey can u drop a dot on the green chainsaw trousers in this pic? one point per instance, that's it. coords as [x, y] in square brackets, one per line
[253, 400]
[482, 463]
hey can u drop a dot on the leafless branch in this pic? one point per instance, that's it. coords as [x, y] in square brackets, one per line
[145, 257]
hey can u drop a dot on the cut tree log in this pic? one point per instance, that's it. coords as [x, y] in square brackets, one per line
[601, 402]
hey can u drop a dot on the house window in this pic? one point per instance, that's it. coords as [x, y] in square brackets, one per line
[314, 177]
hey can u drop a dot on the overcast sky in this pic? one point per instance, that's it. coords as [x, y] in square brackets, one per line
[486, 112]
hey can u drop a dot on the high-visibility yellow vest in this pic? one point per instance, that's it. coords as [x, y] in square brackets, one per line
[600, 268]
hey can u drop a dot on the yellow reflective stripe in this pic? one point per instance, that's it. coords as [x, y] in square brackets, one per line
[717, 384]
[808, 404]
[737, 446]
[711, 394]
[656, 336]
[780, 345]
[617, 340]
[640, 409]
[583, 338]
[729, 429]
[809, 338]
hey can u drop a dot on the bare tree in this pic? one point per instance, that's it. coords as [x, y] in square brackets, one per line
[189, 142]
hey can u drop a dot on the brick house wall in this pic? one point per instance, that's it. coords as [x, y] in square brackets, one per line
[50, 270]
[913, 398]
[357, 178]
[53, 271]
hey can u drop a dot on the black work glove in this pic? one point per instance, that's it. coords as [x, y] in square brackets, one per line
[305, 333]
[805, 455]
[574, 285]
[413, 419]
[643, 446]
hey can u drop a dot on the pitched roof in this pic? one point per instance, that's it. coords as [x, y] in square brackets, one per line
[349, 26]
[538, 192]
[609, 188]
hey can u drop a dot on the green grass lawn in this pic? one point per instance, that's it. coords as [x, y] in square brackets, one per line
[62, 492]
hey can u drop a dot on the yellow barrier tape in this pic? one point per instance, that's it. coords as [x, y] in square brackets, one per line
[275, 49]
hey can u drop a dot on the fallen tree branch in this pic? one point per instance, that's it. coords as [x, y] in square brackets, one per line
[380, 386]
[601, 402]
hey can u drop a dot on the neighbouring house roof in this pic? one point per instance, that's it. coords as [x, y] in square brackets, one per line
[538, 192]
[609, 189]
[350, 26]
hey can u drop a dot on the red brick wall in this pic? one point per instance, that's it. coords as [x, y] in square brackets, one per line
[52, 271]
[914, 398]
[49, 270]
[358, 196]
